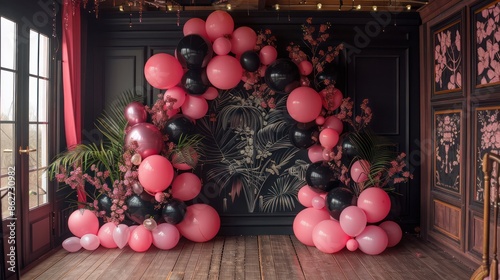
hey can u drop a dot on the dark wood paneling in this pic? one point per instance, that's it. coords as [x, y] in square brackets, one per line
[42, 236]
[448, 219]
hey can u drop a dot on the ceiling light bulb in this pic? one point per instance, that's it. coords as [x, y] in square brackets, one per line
[408, 7]
[319, 6]
[374, 8]
[277, 7]
[121, 8]
[358, 7]
[169, 7]
[228, 6]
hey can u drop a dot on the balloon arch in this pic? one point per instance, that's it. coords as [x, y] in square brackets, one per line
[211, 58]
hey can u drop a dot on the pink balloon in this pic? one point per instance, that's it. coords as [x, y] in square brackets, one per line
[334, 123]
[195, 107]
[83, 221]
[155, 173]
[373, 240]
[90, 242]
[165, 236]
[173, 112]
[140, 239]
[200, 224]
[360, 170]
[376, 203]
[352, 245]
[186, 186]
[195, 26]
[331, 98]
[174, 97]
[305, 221]
[268, 54]
[327, 154]
[121, 234]
[224, 72]
[394, 233]
[318, 202]
[211, 93]
[352, 220]
[218, 24]
[149, 139]
[320, 120]
[305, 196]
[328, 236]
[328, 138]
[222, 46]
[105, 235]
[244, 39]
[305, 67]
[163, 71]
[304, 104]
[72, 244]
[135, 112]
[315, 153]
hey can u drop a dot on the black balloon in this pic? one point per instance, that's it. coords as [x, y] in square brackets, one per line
[177, 126]
[329, 73]
[321, 178]
[302, 135]
[349, 151]
[138, 209]
[250, 61]
[104, 203]
[195, 81]
[338, 199]
[282, 75]
[174, 211]
[194, 52]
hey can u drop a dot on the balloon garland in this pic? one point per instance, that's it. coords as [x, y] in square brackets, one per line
[213, 56]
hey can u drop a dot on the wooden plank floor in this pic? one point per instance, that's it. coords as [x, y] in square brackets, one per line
[252, 257]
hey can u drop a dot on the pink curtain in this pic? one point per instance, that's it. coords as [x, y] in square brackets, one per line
[71, 66]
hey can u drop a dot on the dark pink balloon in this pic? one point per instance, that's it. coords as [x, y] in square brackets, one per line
[328, 138]
[304, 104]
[211, 93]
[195, 26]
[174, 97]
[376, 203]
[334, 123]
[200, 224]
[244, 39]
[224, 72]
[221, 46]
[268, 54]
[155, 174]
[305, 67]
[135, 113]
[149, 139]
[315, 153]
[373, 240]
[331, 98]
[304, 223]
[163, 71]
[393, 231]
[195, 107]
[218, 24]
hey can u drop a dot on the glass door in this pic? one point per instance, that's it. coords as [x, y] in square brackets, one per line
[25, 134]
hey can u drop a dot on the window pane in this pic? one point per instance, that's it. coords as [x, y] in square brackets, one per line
[7, 82]
[8, 43]
[42, 100]
[42, 148]
[38, 188]
[7, 150]
[33, 100]
[33, 143]
[43, 62]
[33, 53]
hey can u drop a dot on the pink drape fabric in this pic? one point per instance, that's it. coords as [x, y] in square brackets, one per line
[71, 71]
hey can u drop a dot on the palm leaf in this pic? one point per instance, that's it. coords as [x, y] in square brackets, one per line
[105, 155]
[282, 194]
[376, 150]
[220, 143]
[273, 137]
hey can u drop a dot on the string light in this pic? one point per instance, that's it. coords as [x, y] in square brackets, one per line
[319, 6]
[408, 7]
[358, 7]
[374, 8]
[277, 7]
[228, 7]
